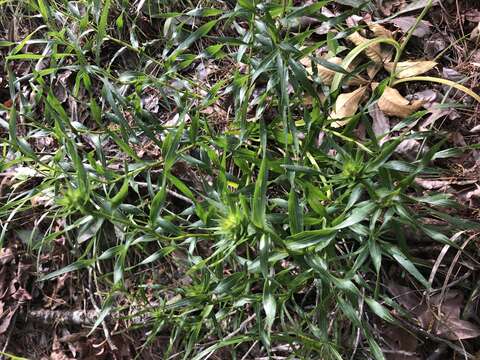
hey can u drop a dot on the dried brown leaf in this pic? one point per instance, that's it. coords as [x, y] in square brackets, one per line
[457, 329]
[405, 23]
[407, 69]
[6, 255]
[347, 105]
[432, 184]
[380, 124]
[380, 31]
[326, 74]
[5, 320]
[475, 33]
[394, 104]
[373, 52]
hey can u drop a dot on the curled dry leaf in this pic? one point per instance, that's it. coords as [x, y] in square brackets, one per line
[373, 52]
[394, 104]
[347, 105]
[380, 31]
[407, 69]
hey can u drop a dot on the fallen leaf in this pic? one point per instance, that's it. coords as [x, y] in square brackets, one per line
[457, 329]
[373, 52]
[432, 184]
[475, 129]
[452, 74]
[473, 194]
[402, 343]
[21, 295]
[473, 15]
[404, 296]
[6, 255]
[436, 113]
[387, 7]
[405, 23]
[394, 104]
[475, 33]
[373, 69]
[380, 31]
[326, 74]
[416, 5]
[347, 105]
[7, 318]
[407, 69]
[380, 124]
[408, 148]
[434, 45]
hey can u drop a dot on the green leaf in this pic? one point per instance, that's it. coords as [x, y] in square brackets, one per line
[357, 215]
[199, 33]
[158, 201]
[89, 229]
[406, 264]
[269, 306]
[102, 29]
[380, 310]
[295, 214]
[44, 10]
[312, 9]
[106, 309]
[259, 196]
[78, 265]
[121, 194]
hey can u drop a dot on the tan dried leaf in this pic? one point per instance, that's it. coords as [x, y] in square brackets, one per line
[405, 23]
[347, 105]
[407, 69]
[475, 33]
[380, 31]
[326, 74]
[373, 69]
[6, 256]
[373, 52]
[457, 329]
[394, 104]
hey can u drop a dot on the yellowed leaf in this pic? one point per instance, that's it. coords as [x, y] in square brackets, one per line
[373, 52]
[347, 105]
[394, 104]
[407, 69]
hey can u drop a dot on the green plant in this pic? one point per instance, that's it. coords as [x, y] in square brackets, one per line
[276, 237]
